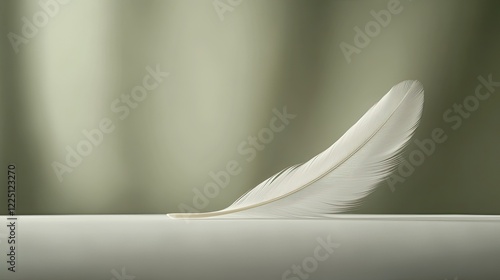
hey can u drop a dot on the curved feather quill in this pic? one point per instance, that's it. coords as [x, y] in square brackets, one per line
[338, 178]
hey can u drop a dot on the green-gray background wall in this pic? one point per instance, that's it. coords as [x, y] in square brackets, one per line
[230, 64]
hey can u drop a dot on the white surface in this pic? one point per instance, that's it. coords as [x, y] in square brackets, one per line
[157, 247]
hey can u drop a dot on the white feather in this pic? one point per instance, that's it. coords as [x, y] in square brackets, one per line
[336, 179]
